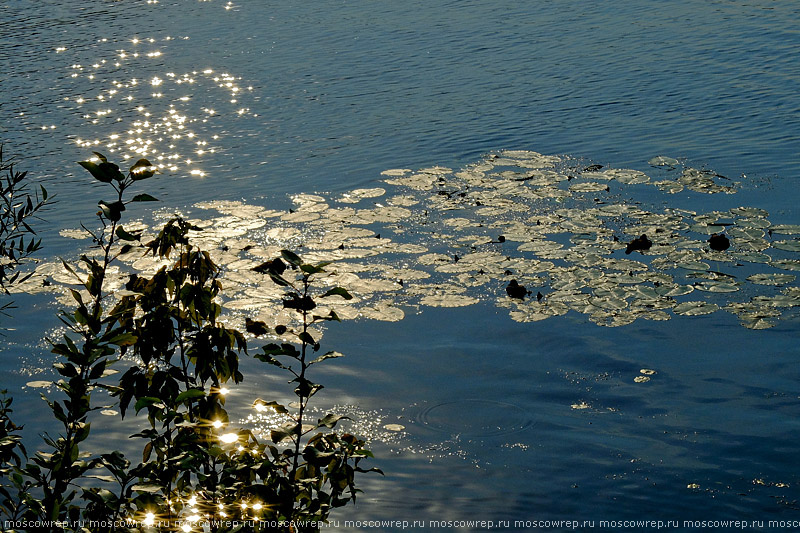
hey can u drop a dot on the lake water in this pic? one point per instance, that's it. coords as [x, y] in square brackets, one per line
[504, 421]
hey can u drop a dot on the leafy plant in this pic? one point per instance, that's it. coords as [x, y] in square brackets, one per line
[17, 237]
[194, 466]
[47, 481]
[321, 464]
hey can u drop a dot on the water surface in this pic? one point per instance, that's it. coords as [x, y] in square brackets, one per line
[504, 421]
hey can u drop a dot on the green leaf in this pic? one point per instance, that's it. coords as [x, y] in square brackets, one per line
[330, 316]
[81, 433]
[284, 432]
[275, 406]
[147, 487]
[283, 349]
[300, 303]
[125, 236]
[77, 296]
[112, 211]
[275, 265]
[278, 279]
[291, 258]
[318, 457]
[148, 401]
[98, 370]
[330, 420]
[141, 170]
[124, 339]
[144, 198]
[66, 369]
[271, 360]
[256, 327]
[340, 292]
[373, 469]
[190, 394]
[146, 451]
[306, 338]
[71, 270]
[105, 172]
[329, 355]
[311, 269]
[306, 388]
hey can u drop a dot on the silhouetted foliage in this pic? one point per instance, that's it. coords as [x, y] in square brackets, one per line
[17, 237]
[195, 468]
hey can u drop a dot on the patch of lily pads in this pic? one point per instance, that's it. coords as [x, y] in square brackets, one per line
[537, 235]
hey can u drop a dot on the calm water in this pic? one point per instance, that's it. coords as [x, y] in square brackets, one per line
[256, 100]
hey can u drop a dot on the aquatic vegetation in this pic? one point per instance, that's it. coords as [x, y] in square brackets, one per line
[539, 236]
[448, 238]
[165, 325]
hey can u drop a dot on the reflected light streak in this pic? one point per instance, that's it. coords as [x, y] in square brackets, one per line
[163, 124]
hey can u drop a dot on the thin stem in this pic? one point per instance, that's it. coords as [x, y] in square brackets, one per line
[303, 399]
[107, 253]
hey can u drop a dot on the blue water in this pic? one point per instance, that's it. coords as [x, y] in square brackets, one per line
[333, 93]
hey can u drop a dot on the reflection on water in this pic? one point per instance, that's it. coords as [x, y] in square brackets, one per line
[167, 118]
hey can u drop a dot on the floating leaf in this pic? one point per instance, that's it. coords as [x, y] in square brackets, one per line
[758, 323]
[447, 299]
[717, 286]
[786, 229]
[786, 264]
[790, 246]
[588, 187]
[628, 177]
[663, 161]
[693, 265]
[772, 279]
[356, 195]
[695, 308]
[749, 212]
[383, 311]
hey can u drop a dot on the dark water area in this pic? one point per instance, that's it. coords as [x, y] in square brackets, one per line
[257, 101]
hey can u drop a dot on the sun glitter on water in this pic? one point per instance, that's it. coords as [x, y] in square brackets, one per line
[166, 116]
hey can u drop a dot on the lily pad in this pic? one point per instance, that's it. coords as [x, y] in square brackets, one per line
[663, 161]
[789, 246]
[695, 308]
[772, 279]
